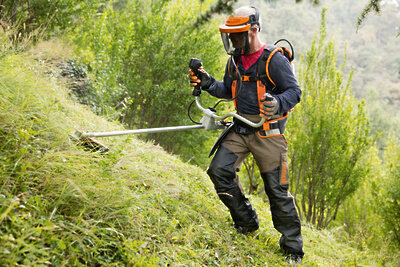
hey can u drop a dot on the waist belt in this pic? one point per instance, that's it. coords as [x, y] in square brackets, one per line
[242, 128]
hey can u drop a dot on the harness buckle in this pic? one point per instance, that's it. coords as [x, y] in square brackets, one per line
[245, 78]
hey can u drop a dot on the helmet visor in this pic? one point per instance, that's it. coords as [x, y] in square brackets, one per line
[227, 43]
[235, 42]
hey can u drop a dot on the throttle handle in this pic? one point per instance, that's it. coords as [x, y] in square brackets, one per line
[195, 64]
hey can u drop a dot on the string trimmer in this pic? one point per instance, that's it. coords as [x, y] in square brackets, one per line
[210, 121]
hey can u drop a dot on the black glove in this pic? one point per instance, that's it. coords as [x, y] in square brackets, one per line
[202, 78]
[270, 106]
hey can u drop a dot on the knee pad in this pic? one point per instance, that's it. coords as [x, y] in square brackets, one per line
[221, 170]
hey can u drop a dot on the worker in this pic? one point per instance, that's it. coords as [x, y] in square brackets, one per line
[255, 98]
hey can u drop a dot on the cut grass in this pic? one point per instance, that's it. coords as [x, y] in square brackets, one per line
[136, 205]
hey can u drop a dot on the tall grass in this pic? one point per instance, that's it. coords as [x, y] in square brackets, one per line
[137, 205]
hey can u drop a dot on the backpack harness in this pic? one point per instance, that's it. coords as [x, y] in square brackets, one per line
[264, 81]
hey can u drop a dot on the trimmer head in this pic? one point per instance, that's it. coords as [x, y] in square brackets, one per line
[91, 144]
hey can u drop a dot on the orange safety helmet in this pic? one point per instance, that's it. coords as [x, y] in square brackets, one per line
[238, 25]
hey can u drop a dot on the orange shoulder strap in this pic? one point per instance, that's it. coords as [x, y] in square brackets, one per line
[234, 93]
[268, 60]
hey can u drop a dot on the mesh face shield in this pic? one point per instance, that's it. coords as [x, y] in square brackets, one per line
[236, 43]
[234, 35]
[227, 44]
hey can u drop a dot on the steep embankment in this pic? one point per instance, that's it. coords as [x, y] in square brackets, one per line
[62, 205]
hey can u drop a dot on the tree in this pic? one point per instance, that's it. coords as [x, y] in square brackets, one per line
[220, 7]
[373, 5]
[329, 132]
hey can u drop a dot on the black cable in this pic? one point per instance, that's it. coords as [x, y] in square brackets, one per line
[190, 117]
[222, 100]
[291, 47]
[239, 87]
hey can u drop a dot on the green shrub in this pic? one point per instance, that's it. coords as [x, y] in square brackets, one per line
[388, 193]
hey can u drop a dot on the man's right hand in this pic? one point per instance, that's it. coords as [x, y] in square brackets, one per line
[202, 78]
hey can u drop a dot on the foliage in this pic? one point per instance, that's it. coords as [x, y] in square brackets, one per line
[375, 78]
[314, 2]
[252, 173]
[137, 205]
[373, 5]
[359, 216]
[370, 48]
[329, 132]
[370, 217]
[35, 17]
[79, 83]
[141, 68]
[388, 191]
[220, 7]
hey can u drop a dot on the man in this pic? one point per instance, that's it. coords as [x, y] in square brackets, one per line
[242, 83]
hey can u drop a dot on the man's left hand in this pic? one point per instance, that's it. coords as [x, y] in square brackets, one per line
[203, 79]
[270, 106]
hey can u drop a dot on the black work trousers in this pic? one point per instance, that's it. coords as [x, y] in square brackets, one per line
[270, 154]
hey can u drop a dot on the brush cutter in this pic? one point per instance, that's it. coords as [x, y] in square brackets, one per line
[210, 121]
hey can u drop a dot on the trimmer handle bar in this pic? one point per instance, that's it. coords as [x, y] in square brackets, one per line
[212, 114]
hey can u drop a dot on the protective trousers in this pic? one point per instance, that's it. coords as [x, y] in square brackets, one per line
[270, 154]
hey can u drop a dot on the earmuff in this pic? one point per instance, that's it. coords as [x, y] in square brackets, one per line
[254, 19]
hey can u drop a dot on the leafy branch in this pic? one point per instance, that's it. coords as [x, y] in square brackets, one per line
[373, 5]
[220, 7]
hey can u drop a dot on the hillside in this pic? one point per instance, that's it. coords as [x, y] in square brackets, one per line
[136, 205]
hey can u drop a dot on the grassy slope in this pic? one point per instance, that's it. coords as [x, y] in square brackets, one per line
[62, 205]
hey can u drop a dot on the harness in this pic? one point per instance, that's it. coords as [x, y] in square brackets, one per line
[276, 125]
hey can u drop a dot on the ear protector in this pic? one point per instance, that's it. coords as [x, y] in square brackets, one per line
[254, 19]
